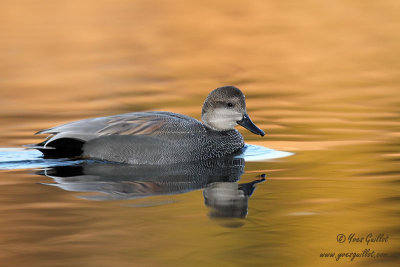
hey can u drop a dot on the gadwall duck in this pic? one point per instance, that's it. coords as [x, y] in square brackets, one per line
[156, 137]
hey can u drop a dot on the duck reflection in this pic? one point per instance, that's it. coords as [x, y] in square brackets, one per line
[229, 199]
[218, 178]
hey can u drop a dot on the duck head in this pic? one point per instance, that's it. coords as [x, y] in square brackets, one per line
[224, 108]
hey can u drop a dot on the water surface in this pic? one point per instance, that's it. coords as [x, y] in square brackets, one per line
[321, 78]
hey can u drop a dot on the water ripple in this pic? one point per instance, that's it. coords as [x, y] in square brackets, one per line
[19, 158]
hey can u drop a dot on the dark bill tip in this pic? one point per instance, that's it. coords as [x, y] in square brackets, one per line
[249, 125]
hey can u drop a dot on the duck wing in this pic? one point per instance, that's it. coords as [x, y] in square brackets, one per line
[137, 123]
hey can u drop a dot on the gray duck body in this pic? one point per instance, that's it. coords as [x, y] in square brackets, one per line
[156, 137]
[168, 138]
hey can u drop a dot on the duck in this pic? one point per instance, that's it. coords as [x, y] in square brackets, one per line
[156, 137]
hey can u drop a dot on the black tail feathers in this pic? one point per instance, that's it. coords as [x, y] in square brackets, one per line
[60, 148]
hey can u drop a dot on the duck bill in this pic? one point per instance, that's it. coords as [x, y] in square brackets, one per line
[249, 125]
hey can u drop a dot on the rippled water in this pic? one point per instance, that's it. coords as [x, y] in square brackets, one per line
[321, 78]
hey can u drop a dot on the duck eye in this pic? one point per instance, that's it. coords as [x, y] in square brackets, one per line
[229, 105]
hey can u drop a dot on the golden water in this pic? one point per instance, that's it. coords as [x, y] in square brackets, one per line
[322, 78]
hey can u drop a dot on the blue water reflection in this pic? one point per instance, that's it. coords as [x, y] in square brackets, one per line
[19, 158]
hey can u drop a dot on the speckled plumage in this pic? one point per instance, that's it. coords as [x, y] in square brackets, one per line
[155, 137]
[179, 138]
